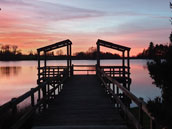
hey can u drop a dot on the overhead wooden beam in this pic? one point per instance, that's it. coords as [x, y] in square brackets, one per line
[112, 45]
[98, 55]
[55, 46]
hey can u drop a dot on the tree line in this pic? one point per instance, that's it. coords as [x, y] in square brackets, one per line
[12, 52]
[154, 51]
[161, 73]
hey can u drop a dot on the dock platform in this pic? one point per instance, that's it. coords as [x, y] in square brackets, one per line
[83, 103]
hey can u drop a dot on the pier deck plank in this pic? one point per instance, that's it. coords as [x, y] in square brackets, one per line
[82, 103]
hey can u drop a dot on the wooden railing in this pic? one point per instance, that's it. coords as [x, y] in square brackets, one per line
[50, 72]
[86, 69]
[115, 89]
[48, 88]
[116, 71]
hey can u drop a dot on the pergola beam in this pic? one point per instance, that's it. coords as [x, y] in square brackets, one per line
[55, 46]
[66, 43]
[112, 45]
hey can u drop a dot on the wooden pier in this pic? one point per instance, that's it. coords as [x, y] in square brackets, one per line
[83, 102]
[65, 100]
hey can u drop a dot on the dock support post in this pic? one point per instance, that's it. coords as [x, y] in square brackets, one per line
[128, 67]
[44, 87]
[14, 107]
[68, 63]
[32, 98]
[38, 81]
[39, 70]
[98, 55]
[140, 114]
[123, 62]
[70, 60]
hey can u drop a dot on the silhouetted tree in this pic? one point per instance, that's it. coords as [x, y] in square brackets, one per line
[14, 49]
[161, 72]
[59, 52]
[151, 50]
[154, 52]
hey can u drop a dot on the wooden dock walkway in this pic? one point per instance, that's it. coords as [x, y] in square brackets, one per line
[82, 103]
[64, 100]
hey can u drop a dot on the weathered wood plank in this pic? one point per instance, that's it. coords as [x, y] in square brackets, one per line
[82, 102]
[81, 127]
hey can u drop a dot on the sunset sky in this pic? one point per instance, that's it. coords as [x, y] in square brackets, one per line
[31, 24]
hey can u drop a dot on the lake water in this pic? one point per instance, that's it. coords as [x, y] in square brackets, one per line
[18, 77]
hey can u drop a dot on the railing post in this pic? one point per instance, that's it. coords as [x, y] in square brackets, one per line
[71, 72]
[14, 106]
[110, 73]
[98, 54]
[39, 93]
[117, 93]
[39, 69]
[152, 124]
[44, 95]
[32, 97]
[48, 87]
[140, 114]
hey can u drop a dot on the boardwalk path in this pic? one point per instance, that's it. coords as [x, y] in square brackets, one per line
[83, 104]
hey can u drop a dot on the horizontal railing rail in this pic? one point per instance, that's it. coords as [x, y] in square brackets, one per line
[88, 68]
[116, 71]
[138, 123]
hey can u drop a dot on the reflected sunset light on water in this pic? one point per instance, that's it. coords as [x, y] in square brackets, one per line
[16, 78]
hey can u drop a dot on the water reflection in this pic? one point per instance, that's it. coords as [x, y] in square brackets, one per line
[18, 77]
[16, 80]
[8, 71]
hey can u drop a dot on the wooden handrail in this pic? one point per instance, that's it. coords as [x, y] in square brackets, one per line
[130, 95]
[114, 67]
[125, 109]
[84, 70]
[21, 98]
[84, 65]
[138, 101]
[53, 67]
[14, 102]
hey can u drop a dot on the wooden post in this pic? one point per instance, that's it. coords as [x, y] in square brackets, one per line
[72, 70]
[70, 62]
[128, 69]
[98, 55]
[32, 98]
[39, 65]
[128, 63]
[123, 62]
[44, 96]
[110, 73]
[48, 87]
[39, 93]
[113, 88]
[68, 59]
[45, 65]
[152, 124]
[14, 107]
[45, 59]
[38, 81]
[117, 93]
[140, 114]
[44, 87]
